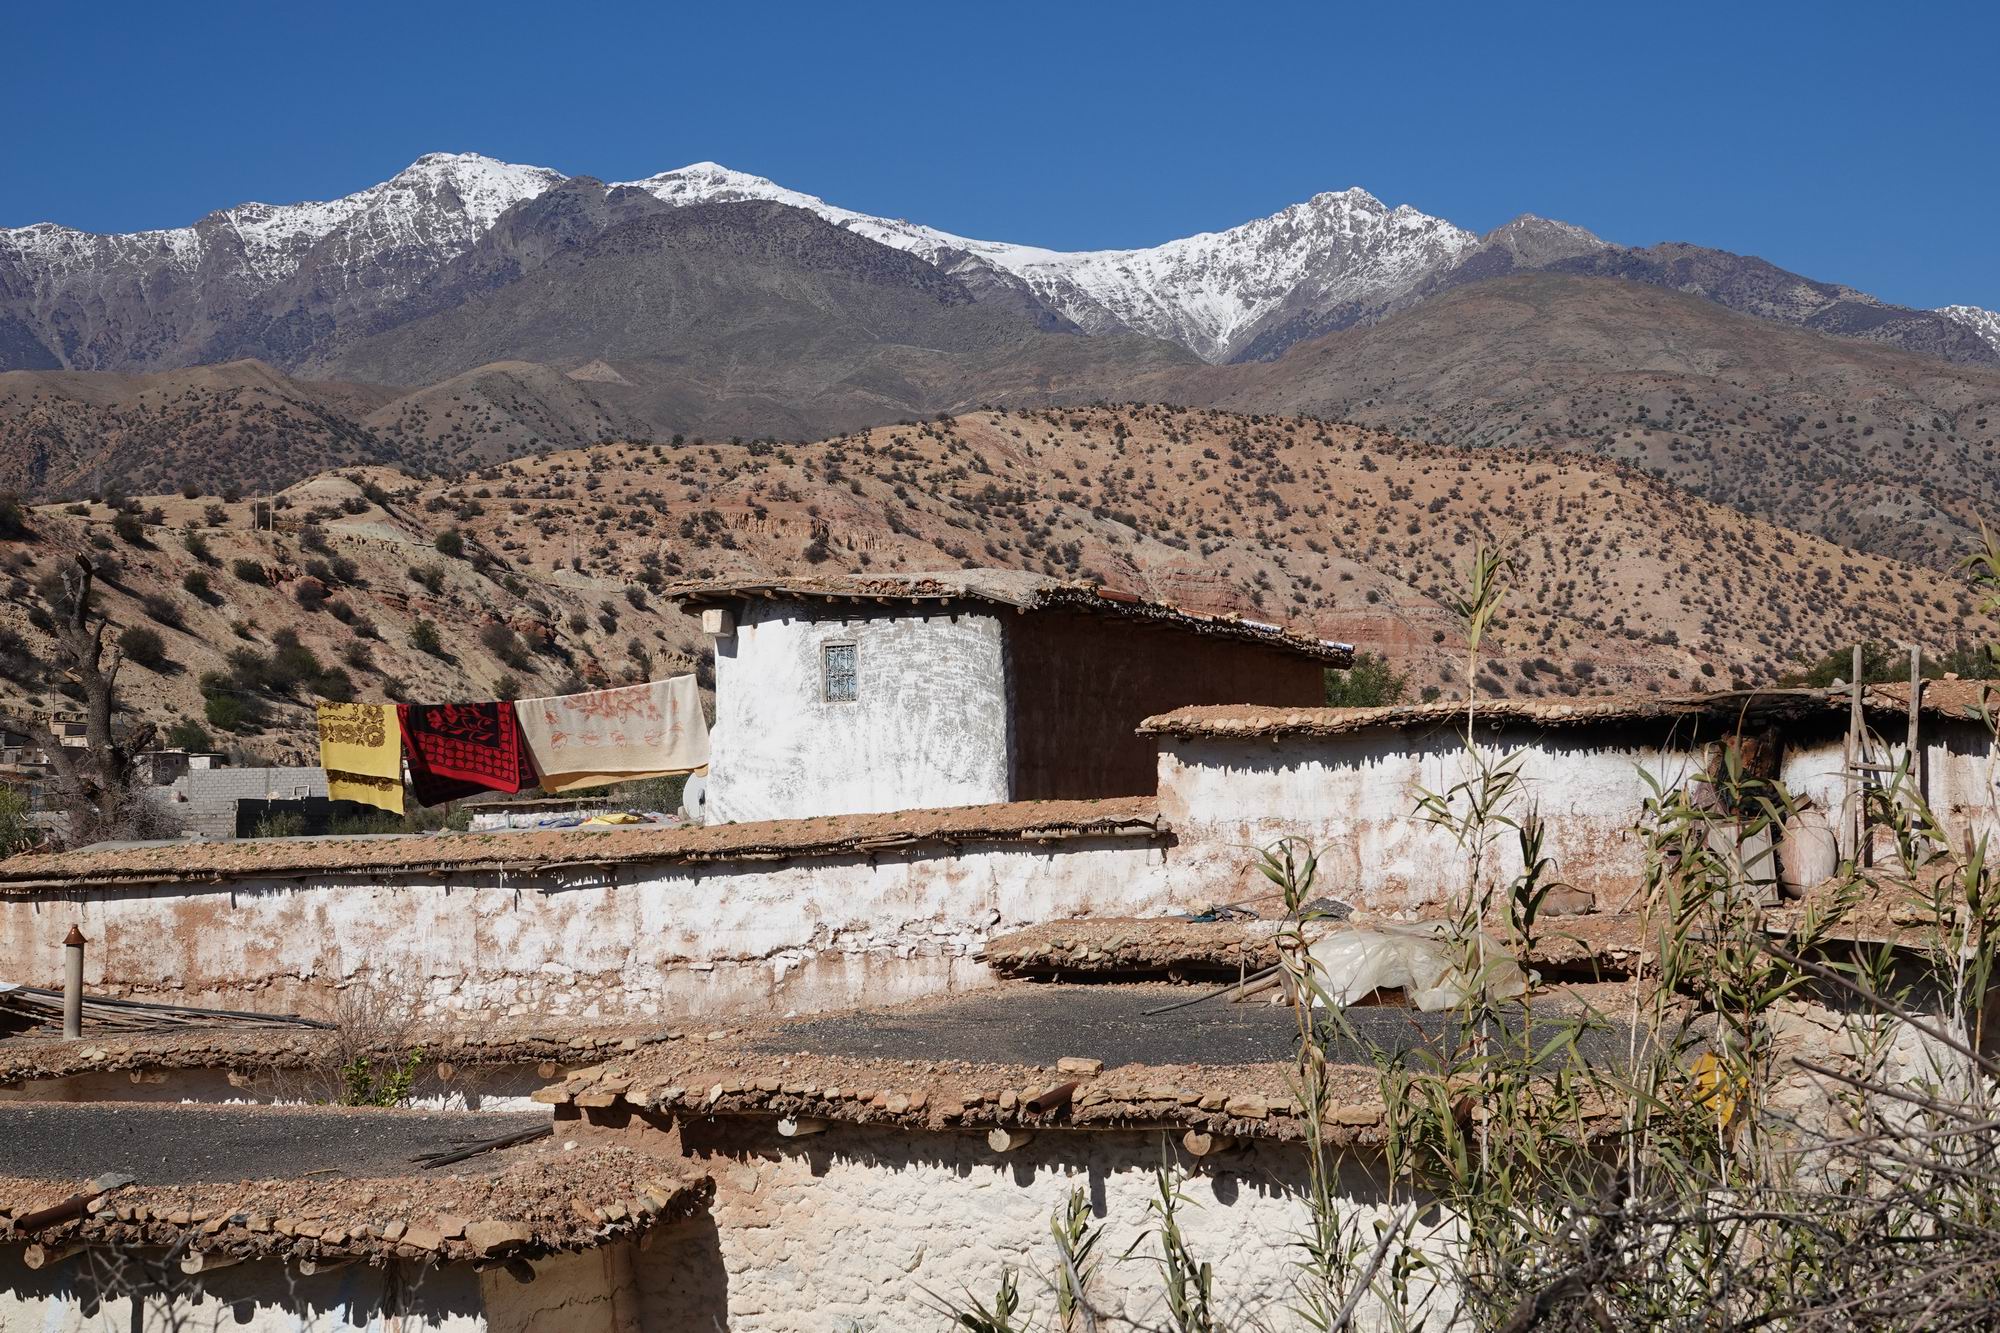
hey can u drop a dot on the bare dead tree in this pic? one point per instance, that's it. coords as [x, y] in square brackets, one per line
[97, 785]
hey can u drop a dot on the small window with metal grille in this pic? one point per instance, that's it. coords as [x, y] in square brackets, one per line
[837, 674]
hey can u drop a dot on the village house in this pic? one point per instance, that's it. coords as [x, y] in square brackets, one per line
[850, 695]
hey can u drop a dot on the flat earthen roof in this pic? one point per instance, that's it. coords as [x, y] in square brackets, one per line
[1018, 589]
[1252, 720]
[1969, 700]
[450, 1053]
[1605, 945]
[551, 851]
[321, 1185]
[1956, 699]
[988, 1059]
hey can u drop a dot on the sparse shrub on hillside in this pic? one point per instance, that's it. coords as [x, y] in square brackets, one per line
[1370, 683]
[309, 593]
[424, 638]
[507, 686]
[504, 643]
[197, 546]
[248, 571]
[358, 654]
[214, 516]
[143, 645]
[162, 609]
[333, 685]
[450, 543]
[17, 662]
[13, 519]
[430, 577]
[131, 529]
[187, 734]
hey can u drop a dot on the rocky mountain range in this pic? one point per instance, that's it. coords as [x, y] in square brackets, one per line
[469, 312]
[293, 284]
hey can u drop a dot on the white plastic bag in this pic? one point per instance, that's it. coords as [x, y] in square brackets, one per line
[1353, 963]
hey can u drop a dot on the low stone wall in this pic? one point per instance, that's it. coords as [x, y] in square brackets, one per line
[634, 939]
[1354, 798]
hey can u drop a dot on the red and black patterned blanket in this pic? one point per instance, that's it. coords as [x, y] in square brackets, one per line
[456, 750]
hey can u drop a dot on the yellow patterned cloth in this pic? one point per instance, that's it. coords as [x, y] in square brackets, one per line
[361, 749]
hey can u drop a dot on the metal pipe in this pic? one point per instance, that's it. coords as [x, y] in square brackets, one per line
[73, 984]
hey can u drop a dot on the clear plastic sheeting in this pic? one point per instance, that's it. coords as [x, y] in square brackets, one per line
[1352, 964]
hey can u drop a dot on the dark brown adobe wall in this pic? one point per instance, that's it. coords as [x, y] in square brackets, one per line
[1082, 684]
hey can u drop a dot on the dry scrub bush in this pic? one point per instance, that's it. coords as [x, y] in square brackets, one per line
[1722, 1173]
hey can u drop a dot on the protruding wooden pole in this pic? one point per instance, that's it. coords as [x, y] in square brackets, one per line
[208, 1261]
[39, 1256]
[1006, 1140]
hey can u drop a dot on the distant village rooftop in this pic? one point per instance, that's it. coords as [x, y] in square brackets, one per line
[1018, 589]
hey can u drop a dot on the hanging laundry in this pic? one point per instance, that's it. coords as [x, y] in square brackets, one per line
[459, 750]
[605, 736]
[361, 749]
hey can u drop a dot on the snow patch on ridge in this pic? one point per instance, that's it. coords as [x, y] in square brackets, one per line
[1985, 323]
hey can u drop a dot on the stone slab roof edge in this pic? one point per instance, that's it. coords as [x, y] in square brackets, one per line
[325, 1222]
[545, 851]
[1941, 699]
[1018, 589]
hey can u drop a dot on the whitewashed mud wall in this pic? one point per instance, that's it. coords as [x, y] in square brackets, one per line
[929, 725]
[1354, 798]
[636, 940]
[1959, 770]
[857, 1228]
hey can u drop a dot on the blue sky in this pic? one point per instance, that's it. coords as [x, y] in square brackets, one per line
[1853, 143]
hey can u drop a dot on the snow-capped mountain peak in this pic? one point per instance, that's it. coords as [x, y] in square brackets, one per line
[440, 203]
[1985, 323]
[1209, 292]
[271, 279]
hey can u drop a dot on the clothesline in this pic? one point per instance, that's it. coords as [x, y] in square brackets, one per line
[564, 742]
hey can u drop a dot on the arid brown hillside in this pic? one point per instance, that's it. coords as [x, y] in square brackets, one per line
[351, 578]
[66, 433]
[1873, 447]
[1623, 581]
